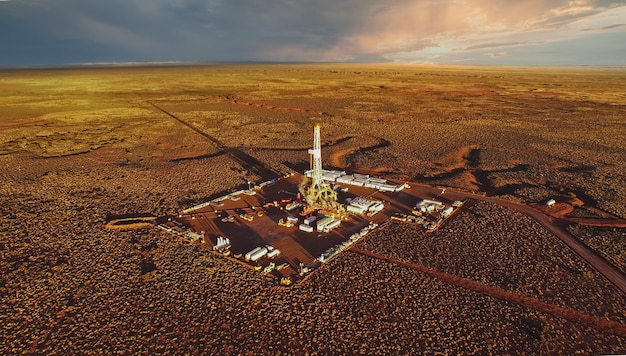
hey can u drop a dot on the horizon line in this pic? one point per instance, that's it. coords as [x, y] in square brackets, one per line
[147, 64]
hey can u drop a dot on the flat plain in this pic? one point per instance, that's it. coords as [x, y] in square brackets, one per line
[78, 146]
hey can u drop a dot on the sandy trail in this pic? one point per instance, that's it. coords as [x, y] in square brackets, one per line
[599, 263]
[597, 323]
[612, 273]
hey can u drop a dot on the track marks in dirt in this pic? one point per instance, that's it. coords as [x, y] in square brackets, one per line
[237, 155]
[364, 143]
[598, 222]
[456, 159]
[597, 323]
[338, 159]
[562, 210]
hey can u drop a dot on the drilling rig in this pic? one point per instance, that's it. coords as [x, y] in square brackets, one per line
[318, 194]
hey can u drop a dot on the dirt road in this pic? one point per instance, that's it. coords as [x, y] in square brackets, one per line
[595, 322]
[612, 273]
[237, 155]
[604, 267]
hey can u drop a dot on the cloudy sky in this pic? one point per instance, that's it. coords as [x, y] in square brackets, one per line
[502, 32]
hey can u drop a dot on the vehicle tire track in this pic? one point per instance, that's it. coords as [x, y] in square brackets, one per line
[237, 155]
[215, 141]
[569, 314]
[591, 256]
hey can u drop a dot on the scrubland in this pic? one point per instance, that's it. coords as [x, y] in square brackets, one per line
[610, 242]
[78, 145]
[518, 256]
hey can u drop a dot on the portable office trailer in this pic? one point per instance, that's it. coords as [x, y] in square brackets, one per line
[331, 225]
[345, 179]
[273, 253]
[355, 209]
[376, 207]
[377, 180]
[256, 254]
[321, 224]
[306, 228]
[250, 253]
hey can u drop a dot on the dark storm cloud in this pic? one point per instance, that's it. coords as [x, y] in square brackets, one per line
[203, 29]
[62, 31]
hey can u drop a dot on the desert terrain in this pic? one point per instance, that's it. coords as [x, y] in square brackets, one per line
[81, 145]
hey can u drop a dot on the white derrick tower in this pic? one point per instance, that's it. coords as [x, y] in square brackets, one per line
[316, 159]
[319, 194]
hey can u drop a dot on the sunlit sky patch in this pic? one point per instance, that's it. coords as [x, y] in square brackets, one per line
[501, 32]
